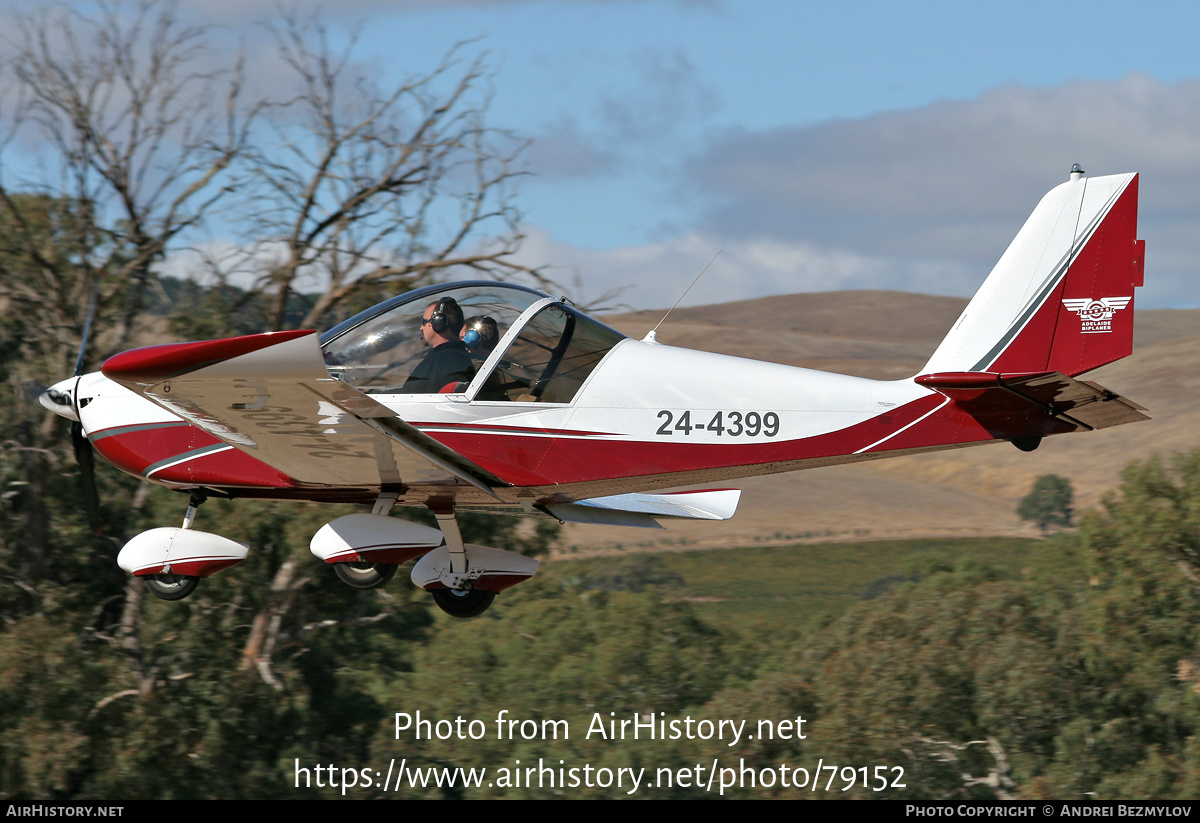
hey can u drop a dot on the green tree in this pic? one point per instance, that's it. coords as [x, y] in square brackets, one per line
[553, 652]
[1075, 675]
[46, 276]
[1049, 503]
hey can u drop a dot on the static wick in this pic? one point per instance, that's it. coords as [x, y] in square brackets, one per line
[650, 338]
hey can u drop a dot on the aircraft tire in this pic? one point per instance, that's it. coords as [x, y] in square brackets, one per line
[365, 575]
[171, 586]
[464, 604]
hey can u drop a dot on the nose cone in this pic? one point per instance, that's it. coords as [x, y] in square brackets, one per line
[60, 398]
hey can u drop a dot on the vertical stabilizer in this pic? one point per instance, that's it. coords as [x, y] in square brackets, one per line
[1061, 297]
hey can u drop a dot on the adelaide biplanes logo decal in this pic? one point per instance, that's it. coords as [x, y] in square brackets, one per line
[1095, 316]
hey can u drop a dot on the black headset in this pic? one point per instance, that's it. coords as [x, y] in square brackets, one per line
[438, 320]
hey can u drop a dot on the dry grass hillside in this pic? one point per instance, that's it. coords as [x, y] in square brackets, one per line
[965, 492]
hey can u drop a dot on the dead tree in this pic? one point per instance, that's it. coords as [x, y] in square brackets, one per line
[134, 127]
[363, 189]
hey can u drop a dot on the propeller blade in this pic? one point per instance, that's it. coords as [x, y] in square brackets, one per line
[87, 470]
[93, 301]
[33, 390]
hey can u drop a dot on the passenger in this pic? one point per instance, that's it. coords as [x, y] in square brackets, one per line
[480, 334]
[449, 362]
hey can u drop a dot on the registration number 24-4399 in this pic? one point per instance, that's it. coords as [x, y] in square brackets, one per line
[722, 424]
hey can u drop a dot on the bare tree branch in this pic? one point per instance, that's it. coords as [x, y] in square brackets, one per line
[144, 133]
[267, 624]
[364, 188]
[998, 778]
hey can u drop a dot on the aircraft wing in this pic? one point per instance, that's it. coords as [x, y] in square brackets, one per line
[644, 509]
[271, 396]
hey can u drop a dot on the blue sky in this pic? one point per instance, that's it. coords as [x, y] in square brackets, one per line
[817, 146]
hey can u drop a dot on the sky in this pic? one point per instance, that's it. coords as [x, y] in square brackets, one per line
[809, 147]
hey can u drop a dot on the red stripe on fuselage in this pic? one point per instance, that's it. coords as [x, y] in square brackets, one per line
[135, 451]
[540, 461]
[487, 427]
[544, 461]
[229, 468]
[535, 459]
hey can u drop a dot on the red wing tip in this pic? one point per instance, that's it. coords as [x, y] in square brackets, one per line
[153, 364]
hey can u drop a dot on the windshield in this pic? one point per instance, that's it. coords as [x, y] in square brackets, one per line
[551, 358]
[379, 351]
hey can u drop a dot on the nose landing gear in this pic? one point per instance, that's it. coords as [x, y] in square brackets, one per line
[172, 561]
[171, 586]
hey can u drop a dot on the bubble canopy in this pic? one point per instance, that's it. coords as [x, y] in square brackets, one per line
[539, 350]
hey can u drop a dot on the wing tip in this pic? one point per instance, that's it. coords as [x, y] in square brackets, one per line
[153, 364]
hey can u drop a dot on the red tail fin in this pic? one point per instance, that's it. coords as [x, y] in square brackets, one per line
[1061, 297]
[1095, 306]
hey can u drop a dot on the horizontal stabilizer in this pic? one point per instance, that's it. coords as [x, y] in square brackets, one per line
[1021, 403]
[642, 509]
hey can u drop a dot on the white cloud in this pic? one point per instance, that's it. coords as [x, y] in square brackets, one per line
[656, 274]
[917, 200]
[940, 190]
[978, 157]
[668, 93]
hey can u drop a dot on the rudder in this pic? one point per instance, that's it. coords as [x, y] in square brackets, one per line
[1061, 297]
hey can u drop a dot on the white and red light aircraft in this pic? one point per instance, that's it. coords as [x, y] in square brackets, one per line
[569, 418]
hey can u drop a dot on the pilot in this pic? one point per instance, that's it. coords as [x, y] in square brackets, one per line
[480, 334]
[448, 362]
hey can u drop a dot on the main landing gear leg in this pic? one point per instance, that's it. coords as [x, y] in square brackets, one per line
[168, 586]
[463, 600]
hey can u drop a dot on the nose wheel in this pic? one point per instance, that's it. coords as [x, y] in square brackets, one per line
[171, 586]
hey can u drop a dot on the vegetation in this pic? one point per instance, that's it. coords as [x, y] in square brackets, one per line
[1049, 503]
[1066, 668]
